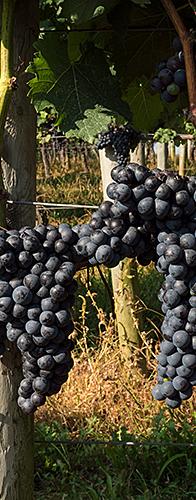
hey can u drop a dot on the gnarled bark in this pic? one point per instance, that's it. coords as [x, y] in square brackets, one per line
[19, 164]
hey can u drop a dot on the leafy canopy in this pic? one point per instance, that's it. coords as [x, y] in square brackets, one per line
[74, 88]
[94, 64]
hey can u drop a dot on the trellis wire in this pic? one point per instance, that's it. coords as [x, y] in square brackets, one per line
[50, 205]
[75, 442]
[108, 29]
[144, 136]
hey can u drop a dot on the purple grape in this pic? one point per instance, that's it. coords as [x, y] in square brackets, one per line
[40, 385]
[22, 295]
[156, 84]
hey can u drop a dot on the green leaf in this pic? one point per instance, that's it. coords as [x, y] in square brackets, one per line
[95, 120]
[81, 11]
[75, 41]
[146, 108]
[165, 135]
[73, 88]
[177, 456]
[45, 3]
[135, 53]
[142, 3]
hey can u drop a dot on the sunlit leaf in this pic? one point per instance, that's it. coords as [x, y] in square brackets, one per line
[94, 121]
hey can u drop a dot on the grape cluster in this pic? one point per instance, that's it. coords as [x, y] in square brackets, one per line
[36, 295]
[170, 79]
[151, 216]
[177, 358]
[124, 227]
[122, 139]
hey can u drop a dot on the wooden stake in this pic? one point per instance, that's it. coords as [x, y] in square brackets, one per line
[19, 166]
[182, 158]
[162, 154]
[124, 280]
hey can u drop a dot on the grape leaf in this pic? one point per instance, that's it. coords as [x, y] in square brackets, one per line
[75, 41]
[146, 108]
[142, 3]
[73, 87]
[94, 121]
[136, 53]
[81, 11]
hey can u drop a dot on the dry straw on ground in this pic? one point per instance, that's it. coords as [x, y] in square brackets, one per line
[103, 395]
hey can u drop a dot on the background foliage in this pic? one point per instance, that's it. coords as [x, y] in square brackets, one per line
[94, 61]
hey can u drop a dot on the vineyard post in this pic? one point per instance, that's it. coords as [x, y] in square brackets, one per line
[182, 158]
[7, 15]
[162, 155]
[138, 155]
[45, 159]
[172, 152]
[18, 160]
[189, 150]
[124, 281]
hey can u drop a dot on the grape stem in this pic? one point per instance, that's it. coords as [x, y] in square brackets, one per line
[7, 81]
[187, 44]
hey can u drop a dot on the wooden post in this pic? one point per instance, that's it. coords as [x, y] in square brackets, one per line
[124, 280]
[16, 435]
[19, 162]
[182, 158]
[138, 155]
[189, 150]
[107, 163]
[171, 152]
[45, 159]
[19, 154]
[162, 153]
[151, 155]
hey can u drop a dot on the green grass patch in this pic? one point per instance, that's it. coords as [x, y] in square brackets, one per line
[156, 471]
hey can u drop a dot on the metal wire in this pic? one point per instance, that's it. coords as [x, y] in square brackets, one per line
[52, 206]
[108, 29]
[75, 442]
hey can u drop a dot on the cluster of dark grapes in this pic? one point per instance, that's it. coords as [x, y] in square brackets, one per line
[122, 139]
[145, 202]
[36, 295]
[150, 206]
[177, 358]
[37, 268]
[170, 79]
[121, 228]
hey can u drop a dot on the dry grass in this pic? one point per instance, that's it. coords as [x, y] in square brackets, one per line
[73, 186]
[103, 394]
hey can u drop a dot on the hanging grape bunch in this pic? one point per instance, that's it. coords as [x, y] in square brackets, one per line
[151, 216]
[170, 79]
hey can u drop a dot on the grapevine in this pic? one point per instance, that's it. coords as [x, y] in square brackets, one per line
[152, 217]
